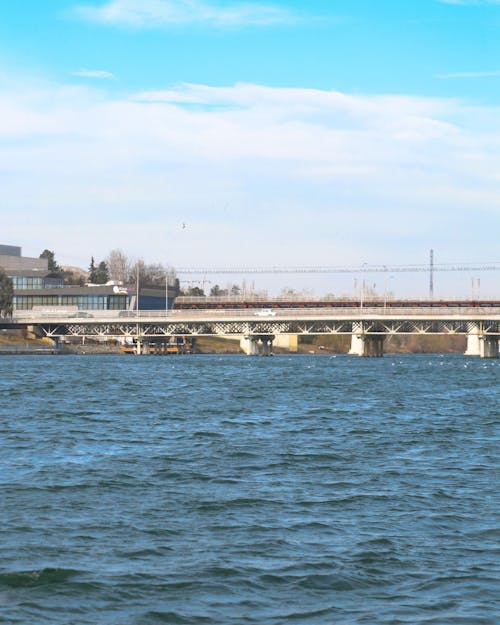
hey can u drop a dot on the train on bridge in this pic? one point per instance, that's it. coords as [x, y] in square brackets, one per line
[267, 303]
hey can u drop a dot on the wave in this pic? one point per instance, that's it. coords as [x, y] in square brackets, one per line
[36, 577]
[173, 618]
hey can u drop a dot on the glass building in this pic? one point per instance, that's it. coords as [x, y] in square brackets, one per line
[34, 286]
[85, 298]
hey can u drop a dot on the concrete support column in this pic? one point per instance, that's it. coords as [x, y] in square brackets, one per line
[367, 345]
[357, 344]
[489, 347]
[254, 345]
[374, 346]
[473, 341]
[141, 348]
[479, 344]
[249, 345]
[266, 345]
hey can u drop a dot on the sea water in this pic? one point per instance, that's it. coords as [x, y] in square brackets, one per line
[233, 490]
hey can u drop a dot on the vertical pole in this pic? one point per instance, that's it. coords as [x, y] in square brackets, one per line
[385, 289]
[166, 294]
[137, 288]
[362, 295]
[138, 345]
[431, 275]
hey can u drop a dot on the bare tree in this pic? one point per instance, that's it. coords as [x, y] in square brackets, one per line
[152, 275]
[119, 266]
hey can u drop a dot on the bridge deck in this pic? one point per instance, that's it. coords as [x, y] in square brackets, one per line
[32, 317]
[365, 321]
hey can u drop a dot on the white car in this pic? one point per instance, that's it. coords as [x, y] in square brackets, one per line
[266, 313]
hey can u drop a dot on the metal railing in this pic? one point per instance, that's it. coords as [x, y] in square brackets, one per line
[124, 316]
[301, 298]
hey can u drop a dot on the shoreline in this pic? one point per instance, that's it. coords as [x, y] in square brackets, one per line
[15, 344]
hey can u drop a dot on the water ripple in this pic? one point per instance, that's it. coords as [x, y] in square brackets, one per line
[232, 490]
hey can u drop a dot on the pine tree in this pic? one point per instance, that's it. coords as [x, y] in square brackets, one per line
[52, 264]
[92, 272]
[101, 273]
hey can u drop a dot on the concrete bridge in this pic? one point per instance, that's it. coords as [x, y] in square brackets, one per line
[257, 329]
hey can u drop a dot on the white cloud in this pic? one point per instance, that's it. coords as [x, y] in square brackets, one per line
[261, 175]
[484, 74]
[469, 2]
[94, 73]
[161, 13]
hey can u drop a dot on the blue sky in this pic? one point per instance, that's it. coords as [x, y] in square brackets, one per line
[281, 132]
[424, 47]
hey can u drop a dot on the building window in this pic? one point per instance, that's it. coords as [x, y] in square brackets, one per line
[27, 282]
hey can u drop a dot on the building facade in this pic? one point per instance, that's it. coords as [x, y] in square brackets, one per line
[35, 286]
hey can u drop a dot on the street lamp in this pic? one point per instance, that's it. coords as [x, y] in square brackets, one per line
[386, 280]
[166, 294]
[137, 288]
[363, 267]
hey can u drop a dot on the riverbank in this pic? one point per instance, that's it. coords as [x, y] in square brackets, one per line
[16, 343]
[396, 344]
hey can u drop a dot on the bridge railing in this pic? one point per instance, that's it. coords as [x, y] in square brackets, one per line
[301, 298]
[37, 316]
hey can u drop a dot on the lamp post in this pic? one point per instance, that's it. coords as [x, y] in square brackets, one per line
[137, 288]
[386, 281]
[363, 267]
[166, 294]
[138, 339]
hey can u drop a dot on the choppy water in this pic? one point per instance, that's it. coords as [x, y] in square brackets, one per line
[234, 490]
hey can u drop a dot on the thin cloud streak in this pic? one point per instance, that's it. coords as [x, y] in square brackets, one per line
[486, 74]
[471, 3]
[94, 73]
[150, 14]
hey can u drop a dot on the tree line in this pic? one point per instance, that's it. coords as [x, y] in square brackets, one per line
[117, 267]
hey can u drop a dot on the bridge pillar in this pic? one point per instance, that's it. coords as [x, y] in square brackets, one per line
[249, 345]
[374, 346]
[489, 347]
[141, 348]
[479, 344]
[266, 345]
[357, 345]
[254, 345]
[367, 345]
[473, 341]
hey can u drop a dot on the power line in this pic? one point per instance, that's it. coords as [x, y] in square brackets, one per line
[431, 274]
[365, 268]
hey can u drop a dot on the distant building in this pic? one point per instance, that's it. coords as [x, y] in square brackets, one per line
[33, 286]
[12, 261]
